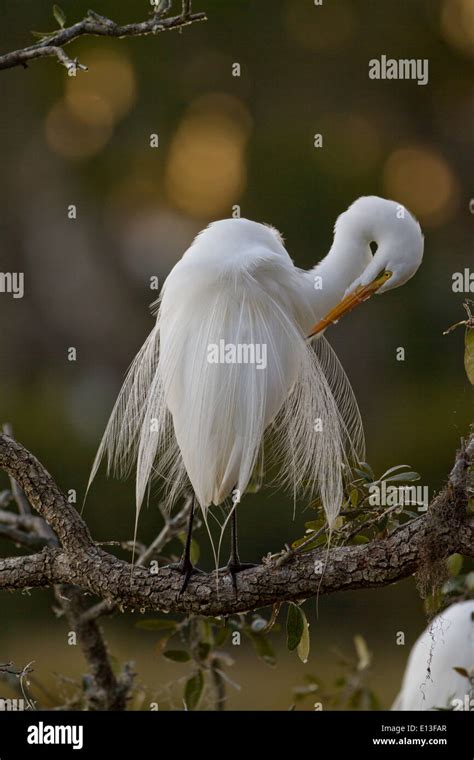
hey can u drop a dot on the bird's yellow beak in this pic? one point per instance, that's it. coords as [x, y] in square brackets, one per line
[360, 294]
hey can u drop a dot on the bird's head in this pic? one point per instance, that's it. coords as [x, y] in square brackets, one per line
[399, 251]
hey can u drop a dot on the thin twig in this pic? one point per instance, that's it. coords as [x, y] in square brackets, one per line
[97, 25]
[21, 538]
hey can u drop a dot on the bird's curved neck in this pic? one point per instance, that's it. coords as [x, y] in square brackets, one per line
[345, 261]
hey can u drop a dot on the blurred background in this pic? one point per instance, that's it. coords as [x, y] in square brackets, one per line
[225, 140]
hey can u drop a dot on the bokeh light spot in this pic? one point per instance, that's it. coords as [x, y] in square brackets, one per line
[109, 84]
[72, 138]
[423, 181]
[205, 171]
[457, 24]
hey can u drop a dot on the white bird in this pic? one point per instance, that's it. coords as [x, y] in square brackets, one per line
[229, 359]
[440, 669]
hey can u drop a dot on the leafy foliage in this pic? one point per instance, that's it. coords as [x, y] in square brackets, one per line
[193, 690]
[202, 642]
[351, 690]
[362, 518]
[60, 17]
[468, 339]
[297, 632]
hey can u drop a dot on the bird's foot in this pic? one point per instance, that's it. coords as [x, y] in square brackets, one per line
[234, 567]
[186, 569]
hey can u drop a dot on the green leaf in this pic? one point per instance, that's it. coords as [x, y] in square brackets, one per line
[294, 626]
[162, 643]
[195, 550]
[193, 690]
[177, 655]
[454, 564]
[221, 635]
[304, 642]
[314, 524]
[360, 539]
[368, 469]
[354, 497]
[59, 15]
[403, 477]
[300, 692]
[311, 544]
[469, 354]
[157, 625]
[363, 475]
[42, 35]
[363, 654]
[394, 469]
[263, 648]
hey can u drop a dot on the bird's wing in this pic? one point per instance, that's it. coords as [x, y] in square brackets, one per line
[229, 356]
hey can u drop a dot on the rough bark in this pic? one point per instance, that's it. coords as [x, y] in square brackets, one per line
[447, 527]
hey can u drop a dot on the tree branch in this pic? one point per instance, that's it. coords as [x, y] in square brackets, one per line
[446, 527]
[99, 26]
[103, 689]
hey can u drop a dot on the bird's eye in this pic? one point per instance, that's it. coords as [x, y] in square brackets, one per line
[387, 274]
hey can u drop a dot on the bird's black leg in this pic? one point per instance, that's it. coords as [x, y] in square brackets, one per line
[185, 566]
[234, 565]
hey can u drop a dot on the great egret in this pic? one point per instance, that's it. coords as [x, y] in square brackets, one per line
[440, 670]
[229, 358]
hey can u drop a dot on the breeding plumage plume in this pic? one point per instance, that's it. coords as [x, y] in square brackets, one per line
[440, 670]
[229, 361]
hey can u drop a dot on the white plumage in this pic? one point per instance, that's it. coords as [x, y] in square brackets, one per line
[185, 418]
[431, 681]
